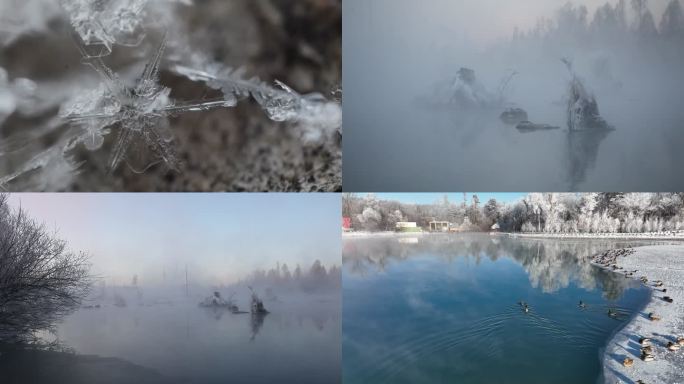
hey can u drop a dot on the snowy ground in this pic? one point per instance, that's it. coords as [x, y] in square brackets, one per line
[679, 235]
[380, 234]
[660, 262]
[653, 235]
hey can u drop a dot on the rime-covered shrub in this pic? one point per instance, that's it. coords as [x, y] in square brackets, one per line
[41, 280]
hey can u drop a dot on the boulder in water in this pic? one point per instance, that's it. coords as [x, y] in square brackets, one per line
[216, 301]
[528, 126]
[257, 305]
[583, 111]
[467, 91]
[513, 116]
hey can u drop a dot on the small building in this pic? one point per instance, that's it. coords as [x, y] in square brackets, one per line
[439, 226]
[346, 224]
[495, 228]
[406, 226]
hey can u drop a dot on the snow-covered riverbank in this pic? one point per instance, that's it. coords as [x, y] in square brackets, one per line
[679, 235]
[653, 264]
[381, 234]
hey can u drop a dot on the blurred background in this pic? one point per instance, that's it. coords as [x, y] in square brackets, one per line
[236, 149]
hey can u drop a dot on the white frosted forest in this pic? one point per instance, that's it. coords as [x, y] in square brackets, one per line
[595, 214]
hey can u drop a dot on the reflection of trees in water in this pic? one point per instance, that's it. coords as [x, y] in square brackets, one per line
[553, 265]
[550, 264]
[257, 321]
[583, 147]
[215, 312]
[319, 319]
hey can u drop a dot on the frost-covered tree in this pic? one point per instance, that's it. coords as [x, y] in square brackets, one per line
[316, 278]
[474, 213]
[395, 217]
[672, 22]
[536, 203]
[644, 22]
[370, 217]
[610, 20]
[547, 212]
[572, 20]
[41, 279]
[491, 212]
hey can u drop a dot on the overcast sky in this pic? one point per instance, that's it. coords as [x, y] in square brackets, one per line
[221, 236]
[480, 21]
[455, 197]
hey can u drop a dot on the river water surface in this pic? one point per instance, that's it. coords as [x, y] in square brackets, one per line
[173, 340]
[445, 308]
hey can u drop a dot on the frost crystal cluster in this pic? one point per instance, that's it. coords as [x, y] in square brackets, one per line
[316, 115]
[140, 112]
[107, 22]
[133, 110]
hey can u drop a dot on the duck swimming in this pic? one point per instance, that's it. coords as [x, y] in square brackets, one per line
[612, 313]
[680, 341]
[627, 362]
[668, 299]
[582, 304]
[644, 340]
[653, 317]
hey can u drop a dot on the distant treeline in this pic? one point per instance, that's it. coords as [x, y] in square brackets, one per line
[610, 22]
[536, 212]
[315, 278]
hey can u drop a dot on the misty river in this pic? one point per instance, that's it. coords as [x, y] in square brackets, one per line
[148, 337]
[404, 130]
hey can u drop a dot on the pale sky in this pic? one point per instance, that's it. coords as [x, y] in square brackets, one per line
[220, 236]
[454, 197]
[479, 21]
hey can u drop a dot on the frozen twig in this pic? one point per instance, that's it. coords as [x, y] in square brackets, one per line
[139, 113]
[315, 114]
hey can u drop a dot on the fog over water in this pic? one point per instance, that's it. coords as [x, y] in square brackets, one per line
[222, 238]
[192, 288]
[405, 131]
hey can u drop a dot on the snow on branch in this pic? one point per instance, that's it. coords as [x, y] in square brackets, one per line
[102, 24]
[138, 111]
[313, 113]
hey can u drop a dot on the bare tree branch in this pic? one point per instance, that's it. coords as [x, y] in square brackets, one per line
[41, 280]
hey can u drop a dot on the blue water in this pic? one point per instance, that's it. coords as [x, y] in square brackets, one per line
[444, 308]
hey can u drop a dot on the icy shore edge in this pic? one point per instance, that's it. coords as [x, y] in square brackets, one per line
[656, 263]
